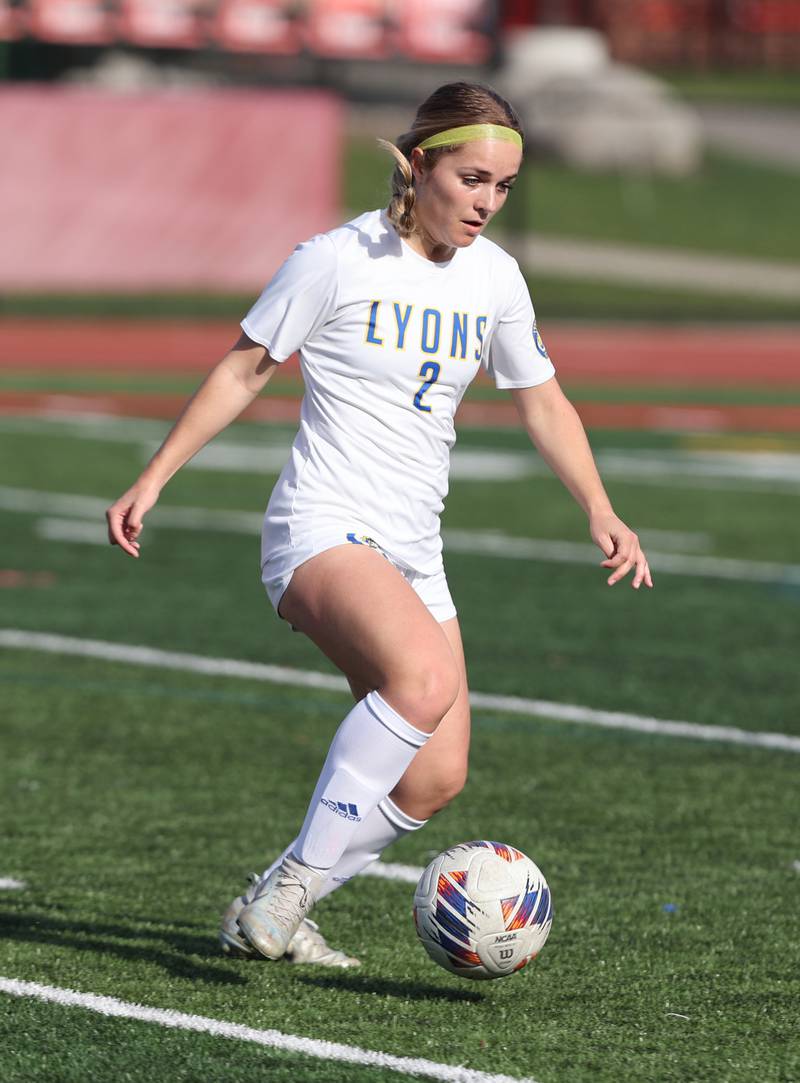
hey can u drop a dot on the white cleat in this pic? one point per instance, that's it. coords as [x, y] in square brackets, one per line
[280, 903]
[231, 940]
[307, 947]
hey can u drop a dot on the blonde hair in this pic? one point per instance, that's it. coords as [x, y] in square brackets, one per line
[451, 106]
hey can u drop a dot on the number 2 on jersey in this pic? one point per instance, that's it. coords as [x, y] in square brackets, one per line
[430, 374]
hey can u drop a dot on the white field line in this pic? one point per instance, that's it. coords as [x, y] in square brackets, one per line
[618, 720]
[485, 464]
[746, 471]
[273, 1039]
[380, 870]
[82, 531]
[229, 452]
[73, 506]
[676, 541]
[259, 671]
[469, 464]
[706, 272]
[745, 466]
[388, 870]
[233, 458]
[115, 429]
[496, 544]
[477, 542]
[176, 660]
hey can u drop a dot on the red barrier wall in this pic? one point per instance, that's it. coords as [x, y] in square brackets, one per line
[178, 190]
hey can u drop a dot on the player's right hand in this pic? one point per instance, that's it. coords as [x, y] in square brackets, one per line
[125, 516]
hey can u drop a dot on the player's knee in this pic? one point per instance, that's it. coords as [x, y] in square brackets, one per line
[438, 690]
[444, 688]
[426, 692]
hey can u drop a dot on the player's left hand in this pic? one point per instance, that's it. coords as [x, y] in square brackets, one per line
[621, 548]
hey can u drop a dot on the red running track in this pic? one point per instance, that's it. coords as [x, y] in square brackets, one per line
[605, 354]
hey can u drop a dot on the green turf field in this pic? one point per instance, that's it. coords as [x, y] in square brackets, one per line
[135, 799]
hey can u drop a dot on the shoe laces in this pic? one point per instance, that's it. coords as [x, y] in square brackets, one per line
[289, 897]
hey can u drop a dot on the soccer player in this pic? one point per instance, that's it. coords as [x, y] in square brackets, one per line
[393, 315]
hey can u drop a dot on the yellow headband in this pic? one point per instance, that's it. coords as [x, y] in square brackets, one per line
[471, 133]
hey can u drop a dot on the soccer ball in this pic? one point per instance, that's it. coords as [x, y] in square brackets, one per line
[482, 910]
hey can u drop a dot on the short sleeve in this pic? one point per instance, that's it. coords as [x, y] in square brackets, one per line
[517, 356]
[297, 301]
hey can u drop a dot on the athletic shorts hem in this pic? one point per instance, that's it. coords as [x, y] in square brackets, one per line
[431, 588]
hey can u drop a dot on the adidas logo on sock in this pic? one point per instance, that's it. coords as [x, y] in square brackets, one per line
[347, 811]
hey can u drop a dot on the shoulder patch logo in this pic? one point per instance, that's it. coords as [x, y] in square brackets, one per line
[540, 346]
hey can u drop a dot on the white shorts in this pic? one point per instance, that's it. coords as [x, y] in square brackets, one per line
[277, 571]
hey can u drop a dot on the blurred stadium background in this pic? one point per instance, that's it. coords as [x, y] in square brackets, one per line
[160, 159]
[163, 156]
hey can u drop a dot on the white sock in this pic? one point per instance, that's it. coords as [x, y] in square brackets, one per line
[368, 756]
[385, 824]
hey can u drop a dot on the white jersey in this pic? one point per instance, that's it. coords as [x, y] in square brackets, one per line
[388, 342]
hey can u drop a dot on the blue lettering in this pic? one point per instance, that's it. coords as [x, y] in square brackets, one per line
[460, 320]
[427, 315]
[373, 319]
[402, 324]
[480, 327]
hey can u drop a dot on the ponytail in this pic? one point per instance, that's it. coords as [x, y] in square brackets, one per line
[404, 194]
